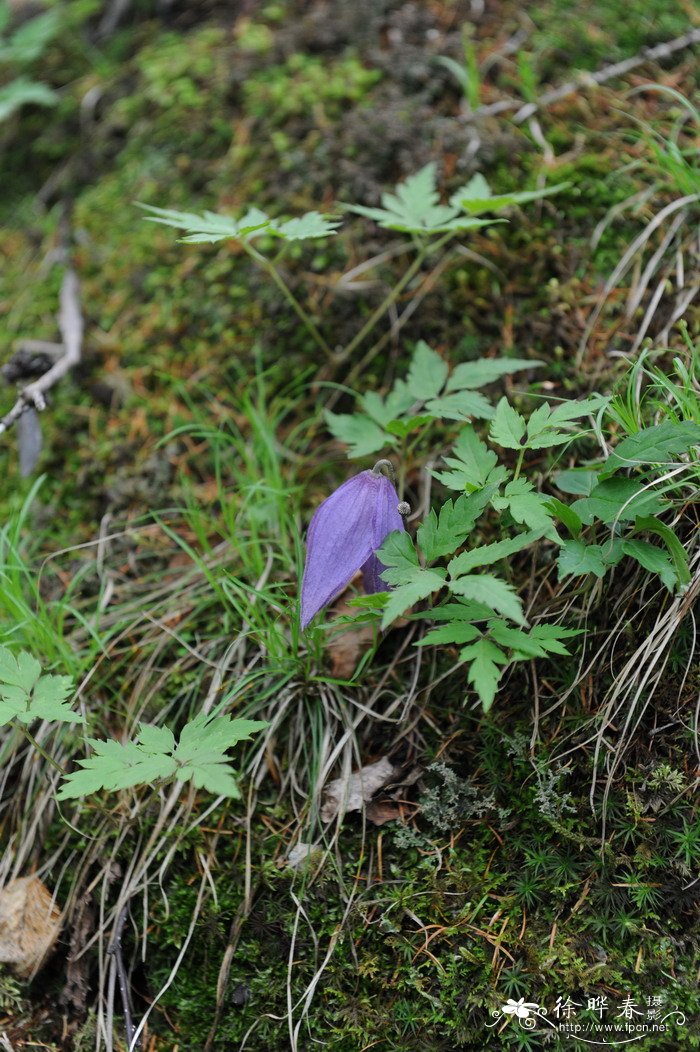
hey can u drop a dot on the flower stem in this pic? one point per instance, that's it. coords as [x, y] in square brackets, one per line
[383, 307]
[269, 267]
[518, 466]
[39, 748]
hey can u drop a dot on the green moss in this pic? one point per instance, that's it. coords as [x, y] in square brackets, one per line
[307, 86]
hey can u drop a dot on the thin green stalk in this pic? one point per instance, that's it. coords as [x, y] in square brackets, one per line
[39, 748]
[518, 466]
[269, 267]
[383, 307]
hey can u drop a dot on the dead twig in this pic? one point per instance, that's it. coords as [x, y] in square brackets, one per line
[657, 53]
[115, 950]
[70, 322]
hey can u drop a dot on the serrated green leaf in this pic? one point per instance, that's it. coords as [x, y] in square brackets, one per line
[463, 610]
[421, 584]
[484, 673]
[358, 432]
[48, 701]
[566, 412]
[487, 554]
[474, 198]
[461, 405]
[508, 426]
[386, 410]
[577, 558]
[493, 592]
[473, 457]
[438, 536]
[653, 445]
[214, 776]
[115, 766]
[470, 375]
[527, 507]
[550, 637]
[156, 739]
[199, 756]
[310, 226]
[427, 373]
[399, 557]
[403, 428]
[414, 208]
[515, 639]
[453, 632]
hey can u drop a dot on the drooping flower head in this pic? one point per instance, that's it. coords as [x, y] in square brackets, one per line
[345, 532]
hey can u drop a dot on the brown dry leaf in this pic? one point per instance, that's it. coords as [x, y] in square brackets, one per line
[352, 794]
[29, 925]
[347, 647]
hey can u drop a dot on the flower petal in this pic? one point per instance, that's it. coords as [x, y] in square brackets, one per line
[386, 520]
[340, 541]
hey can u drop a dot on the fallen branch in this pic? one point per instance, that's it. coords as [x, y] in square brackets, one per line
[70, 322]
[586, 80]
[115, 951]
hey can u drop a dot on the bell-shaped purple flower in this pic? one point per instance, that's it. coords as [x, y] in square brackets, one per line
[343, 536]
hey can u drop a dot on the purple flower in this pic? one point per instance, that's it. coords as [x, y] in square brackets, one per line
[343, 536]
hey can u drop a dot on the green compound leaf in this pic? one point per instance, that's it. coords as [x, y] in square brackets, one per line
[399, 557]
[550, 637]
[414, 208]
[443, 534]
[27, 695]
[209, 227]
[527, 506]
[308, 227]
[473, 463]
[200, 756]
[453, 632]
[386, 410]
